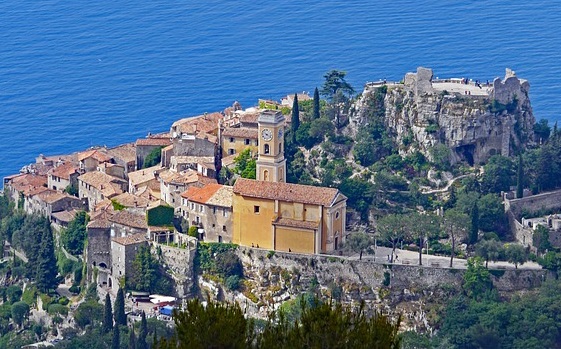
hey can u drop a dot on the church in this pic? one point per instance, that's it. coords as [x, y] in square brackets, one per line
[272, 214]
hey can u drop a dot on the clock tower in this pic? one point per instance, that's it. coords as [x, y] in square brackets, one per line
[271, 164]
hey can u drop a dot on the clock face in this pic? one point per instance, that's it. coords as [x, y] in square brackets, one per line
[267, 134]
[280, 132]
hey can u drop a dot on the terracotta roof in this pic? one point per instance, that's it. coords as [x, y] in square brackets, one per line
[144, 175]
[131, 239]
[223, 197]
[28, 183]
[161, 142]
[158, 229]
[64, 171]
[31, 191]
[125, 152]
[208, 136]
[129, 219]
[241, 132]
[94, 153]
[99, 223]
[130, 200]
[201, 195]
[185, 177]
[203, 123]
[108, 185]
[65, 216]
[229, 160]
[49, 196]
[293, 223]
[249, 117]
[305, 194]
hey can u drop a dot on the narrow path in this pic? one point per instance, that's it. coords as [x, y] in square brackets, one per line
[445, 189]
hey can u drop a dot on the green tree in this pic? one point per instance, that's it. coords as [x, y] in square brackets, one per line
[143, 334]
[88, 313]
[456, 224]
[144, 273]
[542, 130]
[492, 214]
[516, 254]
[489, 250]
[20, 311]
[132, 339]
[423, 227]
[116, 338]
[498, 174]
[120, 316]
[474, 228]
[245, 165]
[153, 158]
[393, 228]
[316, 114]
[540, 239]
[520, 178]
[476, 278]
[441, 154]
[46, 272]
[335, 82]
[74, 237]
[107, 324]
[71, 190]
[295, 119]
[358, 242]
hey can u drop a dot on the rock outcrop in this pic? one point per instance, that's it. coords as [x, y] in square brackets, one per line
[474, 120]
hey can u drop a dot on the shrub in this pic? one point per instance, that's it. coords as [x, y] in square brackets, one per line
[193, 231]
[270, 254]
[75, 289]
[386, 281]
[233, 282]
[63, 301]
[228, 264]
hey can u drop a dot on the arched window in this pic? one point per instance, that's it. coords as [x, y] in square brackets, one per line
[266, 149]
[337, 215]
[266, 175]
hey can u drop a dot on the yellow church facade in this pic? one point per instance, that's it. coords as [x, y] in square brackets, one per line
[288, 217]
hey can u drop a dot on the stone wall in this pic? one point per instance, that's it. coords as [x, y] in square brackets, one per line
[547, 201]
[178, 262]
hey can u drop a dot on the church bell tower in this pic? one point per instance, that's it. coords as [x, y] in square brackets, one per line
[271, 164]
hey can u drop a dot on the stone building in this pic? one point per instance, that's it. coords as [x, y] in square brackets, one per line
[196, 136]
[98, 253]
[62, 176]
[288, 217]
[210, 209]
[147, 177]
[125, 222]
[236, 140]
[145, 146]
[89, 160]
[124, 156]
[123, 253]
[173, 183]
[23, 184]
[97, 186]
[49, 201]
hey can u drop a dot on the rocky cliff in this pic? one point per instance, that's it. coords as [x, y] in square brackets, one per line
[474, 120]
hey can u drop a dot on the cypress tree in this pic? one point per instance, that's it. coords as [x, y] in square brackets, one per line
[295, 120]
[46, 262]
[120, 316]
[316, 104]
[132, 339]
[143, 333]
[155, 339]
[520, 179]
[107, 324]
[116, 341]
[474, 224]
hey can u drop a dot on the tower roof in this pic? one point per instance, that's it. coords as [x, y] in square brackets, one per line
[271, 117]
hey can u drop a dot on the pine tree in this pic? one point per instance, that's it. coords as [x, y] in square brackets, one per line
[520, 179]
[316, 104]
[46, 262]
[116, 342]
[120, 316]
[107, 324]
[143, 333]
[474, 224]
[132, 339]
[295, 120]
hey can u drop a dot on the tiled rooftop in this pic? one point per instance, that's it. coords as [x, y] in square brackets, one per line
[64, 171]
[185, 177]
[97, 154]
[161, 142]
[241, 132]
[125, 152]
[206, 123]
[131, 200]
[27, 183]
[144, 175]
[129, 219]
[105, 183]
[131, 239]
[65, 216]
[289, 192]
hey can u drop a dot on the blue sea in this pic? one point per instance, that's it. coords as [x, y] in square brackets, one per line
[74, 74]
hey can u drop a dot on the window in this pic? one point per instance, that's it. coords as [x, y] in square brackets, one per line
[219, 238]
[255, 209]
[224, 212]
[201, 208]
[246, 141]
[280, 147]
[231, 139]
[256, 142]
[213, 225]
[337, 215]
[223, 228]
[214, 210]
[231, 151]
[267, 149]
[192, 206]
